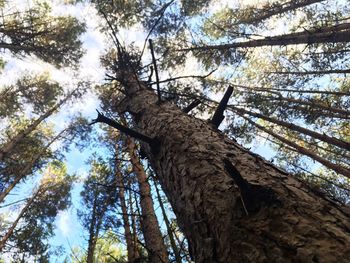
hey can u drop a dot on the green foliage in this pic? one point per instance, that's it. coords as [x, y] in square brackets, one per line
[35, 31]
[31, 236]
[38, 92]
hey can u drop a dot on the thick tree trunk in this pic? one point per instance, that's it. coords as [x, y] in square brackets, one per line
[150, 227]
[133, 254]
[232, 205]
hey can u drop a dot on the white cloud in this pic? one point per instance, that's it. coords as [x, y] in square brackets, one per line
[64, 223]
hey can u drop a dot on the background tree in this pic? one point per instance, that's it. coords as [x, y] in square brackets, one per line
[34, 225]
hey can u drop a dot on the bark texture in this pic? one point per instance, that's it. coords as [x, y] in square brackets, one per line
[150, 227]
[232, 205]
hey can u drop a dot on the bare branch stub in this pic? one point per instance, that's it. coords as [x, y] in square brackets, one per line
[191, 106]
[218, 116]
[155, 69]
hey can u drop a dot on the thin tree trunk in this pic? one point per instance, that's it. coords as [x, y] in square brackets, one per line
[133, 254]
[168, 226]
[293, 127]
[337, 168]
[7, 147]
[133, 222]
[312, 104]
[14, 224]
[27, 169]
[311, 72]
[275, 9]
[275, 90]
[151, 230]
[331, 34]
[92, 235]
[232, 205]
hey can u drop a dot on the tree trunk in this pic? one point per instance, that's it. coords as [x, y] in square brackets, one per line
[276, 90]
[276, 9]
[311, 72]
[232, 205]
[322, 137]
[7, 147]
[133, 254]
[332, 34]
[150, 227]
[168, 226]
[92, 235]
[134, 233]
[27, 169]
[14, 224]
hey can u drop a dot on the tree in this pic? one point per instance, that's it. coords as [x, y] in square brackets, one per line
[98, 196]
[221, 193]
[150, 227]
[34, 223]
[36, 31]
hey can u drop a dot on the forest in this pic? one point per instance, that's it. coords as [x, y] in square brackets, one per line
[172, 131]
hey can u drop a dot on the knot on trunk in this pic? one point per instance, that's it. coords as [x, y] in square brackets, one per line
[254, 197]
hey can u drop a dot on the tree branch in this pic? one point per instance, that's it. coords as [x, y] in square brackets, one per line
[219, 113]
[191, 106]
[155, 69]
[153, 142]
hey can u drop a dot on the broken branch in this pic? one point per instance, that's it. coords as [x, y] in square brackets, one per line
[101, 118]
[219, 113]
[191, 106]
[155, 69]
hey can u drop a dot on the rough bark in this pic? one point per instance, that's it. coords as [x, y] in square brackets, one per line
[332, 34]
[133, 254]
[232, 205]
[150, 227]
[133, 220]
